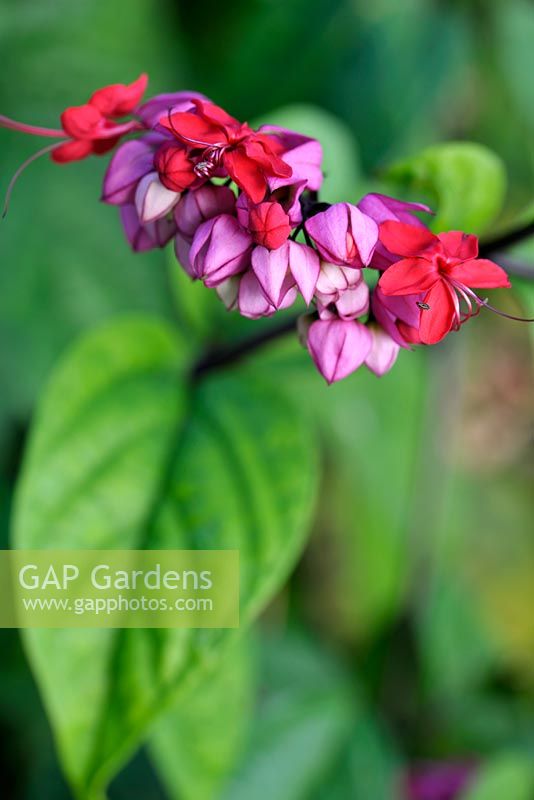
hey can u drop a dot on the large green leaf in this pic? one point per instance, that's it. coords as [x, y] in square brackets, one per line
[303, 719]
[125, 454]
[466, 182]
[196, 744]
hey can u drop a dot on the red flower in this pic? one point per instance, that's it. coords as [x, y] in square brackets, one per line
[91, 128]
[269, 225]
[176, 171]
[220, 141]
[445, 267]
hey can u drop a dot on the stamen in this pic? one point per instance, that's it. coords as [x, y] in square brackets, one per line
[502, 313]
[21, 169]
[34, 130]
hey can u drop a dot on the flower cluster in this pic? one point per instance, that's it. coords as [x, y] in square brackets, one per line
[243, 209]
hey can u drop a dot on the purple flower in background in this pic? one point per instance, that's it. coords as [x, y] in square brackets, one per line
[344, 235]
[438, 780]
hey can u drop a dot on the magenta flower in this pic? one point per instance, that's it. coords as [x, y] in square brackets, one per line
[194, 208]
[131, 162]
[438, 781]
[344, 235]
[221, 248]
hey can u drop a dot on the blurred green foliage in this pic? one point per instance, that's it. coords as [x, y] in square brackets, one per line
[406, 631]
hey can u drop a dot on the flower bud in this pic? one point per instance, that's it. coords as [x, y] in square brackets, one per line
[220, 249]
[175, 170]
[152, 200]
[343, 287]
[269, 225]
[338, 347]
[344, 235]
[383, 353]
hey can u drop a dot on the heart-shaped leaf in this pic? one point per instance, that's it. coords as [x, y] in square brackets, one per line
[127, 453]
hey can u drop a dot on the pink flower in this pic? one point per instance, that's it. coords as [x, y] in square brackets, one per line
[343, 235]
[338, 347]
[344, 288]
[220, 249]
[279, 271]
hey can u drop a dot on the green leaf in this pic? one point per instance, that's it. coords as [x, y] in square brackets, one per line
[457, 649]
[343, 181]
[303, 718]
[510, 776]
[464, 181]
[124, 453]
[195, 745]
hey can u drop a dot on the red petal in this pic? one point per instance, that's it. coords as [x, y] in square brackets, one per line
[436, 321]
[215, 114]
[406, 240]
[459, 245]
[194, 130]
[409, 276]
[246, 173]
[81, 122]
[480, 273]
[119, 99]
[72, 151]
[271, 164]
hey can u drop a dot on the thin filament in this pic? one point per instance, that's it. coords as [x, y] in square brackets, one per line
[21, 169]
